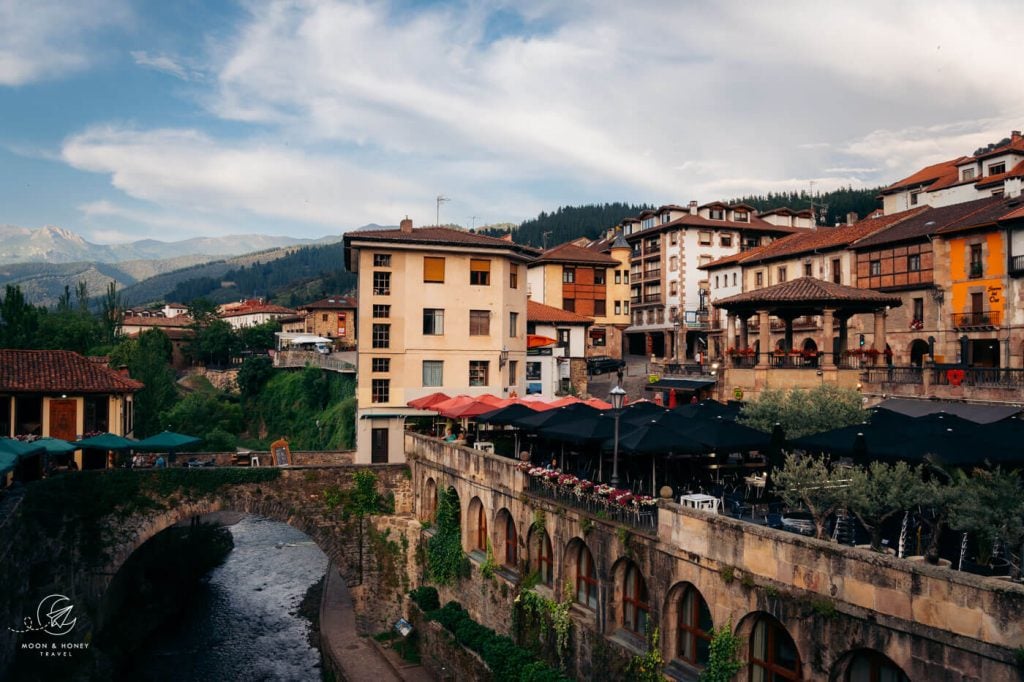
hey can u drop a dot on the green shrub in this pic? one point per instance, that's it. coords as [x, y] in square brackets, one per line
[426, 598]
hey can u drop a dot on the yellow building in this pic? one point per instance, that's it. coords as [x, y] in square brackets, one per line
[440, 310]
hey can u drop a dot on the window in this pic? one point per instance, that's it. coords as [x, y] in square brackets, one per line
[533, 370]
[598, 337]
[382, 284]
[433, 269]
[781, 274]
[433, 321]
[513, 276]
[673, 238]
[380, 364]
[694, 628]
[381, 311]
[716, 281]
[717, 214]
[808, 270]
[478, 372]
[479, 272]
[704, 238]
[433, 373]
[481, 528]
[914, 198]
[625, 307]
[875, 268]
[759, 279]
[563, 337]
[837, 271]
[586, 578]
[871, 666]
[513, 370]
[914, 262]
[673, 288]
[917, 321]
[734, 279]
[618, 277]
[323, 318]
[380, 390]
[672, 312]
[646, 223]
[635, 605]
[511, 543]
[968, 174]
[541, 557]
[773, 655]
[569, 304]
[600, 307]
[997, 168]
[513, 324]
[618, 307]
[726, 240]
[976, 267]
[479, 322]
[599, 276]
[625, 277]
[673, 263]
[568, 275]
[381, 336]
[382, 260]
[741, 217]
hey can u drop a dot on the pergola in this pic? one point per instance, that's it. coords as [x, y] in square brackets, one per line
[805, 296]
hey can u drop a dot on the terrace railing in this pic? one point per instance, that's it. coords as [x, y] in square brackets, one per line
[644, 518]
[983, 319]
[895, 375]
[987, 377]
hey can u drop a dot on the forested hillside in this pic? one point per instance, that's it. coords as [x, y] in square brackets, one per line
[570, 222]
[830, 207]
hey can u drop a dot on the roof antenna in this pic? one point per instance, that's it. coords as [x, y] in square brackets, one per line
[440, 200]
[544, 239]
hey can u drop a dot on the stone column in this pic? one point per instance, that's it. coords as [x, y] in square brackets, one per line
[744, 341]
[844, 334]
[730, 336]
[825, 350]
[879, 341]
[788, 340]
[765, 337]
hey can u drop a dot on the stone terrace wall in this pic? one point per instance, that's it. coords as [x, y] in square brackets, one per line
[936, 624]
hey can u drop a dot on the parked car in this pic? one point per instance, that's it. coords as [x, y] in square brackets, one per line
[599, 364]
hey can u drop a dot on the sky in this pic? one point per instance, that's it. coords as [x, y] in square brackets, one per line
[127, 120]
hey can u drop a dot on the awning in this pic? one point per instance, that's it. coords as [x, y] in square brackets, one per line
[680, 384]
[307, 338]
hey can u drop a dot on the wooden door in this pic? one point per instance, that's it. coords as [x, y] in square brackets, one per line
[64, 419]
[379, 446]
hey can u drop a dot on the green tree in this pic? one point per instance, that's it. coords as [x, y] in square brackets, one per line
[148, 360]
[111, 313]
[69, 329]
[19, 320]
[723, 656]
[803, 412]
[809, 481]
[259, 338]
[880, 491]
[253, 375]
[991, 508]
[201, 414]
[202, 311]
[214, 343]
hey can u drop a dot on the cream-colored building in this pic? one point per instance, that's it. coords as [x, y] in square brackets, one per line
[440, 310]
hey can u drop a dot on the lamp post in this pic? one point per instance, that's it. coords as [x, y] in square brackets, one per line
[618, 397]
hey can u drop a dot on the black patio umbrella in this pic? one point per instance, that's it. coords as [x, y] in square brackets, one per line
[1002, 442]
[839, 442]
[556, 416]
[947, 438]
[709, 409]
[723, 435]
[659, 436]
[586, 428]
[506, 416]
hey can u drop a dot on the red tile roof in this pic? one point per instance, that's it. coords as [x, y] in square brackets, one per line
[944, 173]
[810, 291]
[331, 303]
[928, 222]
[987, 213]
[154, 321]
[257, 310]
[437, 235]
[573, 254]
[755, 224]
[538, 312]
[58, 371]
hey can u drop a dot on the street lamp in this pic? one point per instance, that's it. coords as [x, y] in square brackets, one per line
[618, 397]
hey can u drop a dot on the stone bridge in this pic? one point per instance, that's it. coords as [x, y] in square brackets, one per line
[804, 609]
[46, 546]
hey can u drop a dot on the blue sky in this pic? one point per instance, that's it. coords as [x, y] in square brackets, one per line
[125, 120]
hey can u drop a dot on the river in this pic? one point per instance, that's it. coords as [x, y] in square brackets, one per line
[243, 624]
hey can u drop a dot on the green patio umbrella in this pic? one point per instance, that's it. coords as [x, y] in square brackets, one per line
[166, 441]
[18, 448]
[8, 461]
[107, 441]
[55, 446]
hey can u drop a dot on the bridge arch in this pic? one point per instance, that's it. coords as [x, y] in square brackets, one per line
[687, 625]
[428, 506]
[475, 537]
[506, 540]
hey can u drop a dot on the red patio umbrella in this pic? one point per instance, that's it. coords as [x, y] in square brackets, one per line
[428, 401]
[598, 403]
[672, 398]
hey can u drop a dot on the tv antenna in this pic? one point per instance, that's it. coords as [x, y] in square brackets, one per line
[473, 218]
[440, 200]
[544, 239]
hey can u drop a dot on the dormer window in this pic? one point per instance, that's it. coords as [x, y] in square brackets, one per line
[666, 218]
[997, 168]
[647, 222]
[968, 174]
[914, 197]
[717, 214]
[741, 217]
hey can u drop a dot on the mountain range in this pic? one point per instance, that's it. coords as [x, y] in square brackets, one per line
[51, 244]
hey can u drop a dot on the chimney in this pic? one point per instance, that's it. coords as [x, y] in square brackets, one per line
[1014, 136]
[693, 208]
[1012, 188]
[123, 371]
[852, 217]
[405, 225]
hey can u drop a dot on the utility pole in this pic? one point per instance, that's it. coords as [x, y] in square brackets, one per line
[473, 218]
[440, 200]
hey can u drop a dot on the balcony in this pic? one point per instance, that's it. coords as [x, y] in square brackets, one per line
[986, 377]
[696, 319]
[634, 299]
[652, 274]
[1017, 265]
[652, 249]
[652, 298]
[895, 375]
[980, 320]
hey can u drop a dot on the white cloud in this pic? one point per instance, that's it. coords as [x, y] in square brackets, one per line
[169, 65]
[49, 38]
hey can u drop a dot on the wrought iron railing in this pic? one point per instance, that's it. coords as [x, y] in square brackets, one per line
[652, 298]
[990, 377]
[895, 375]
[977, 319]
[1017, 265]
[790, 361]
[643, 517]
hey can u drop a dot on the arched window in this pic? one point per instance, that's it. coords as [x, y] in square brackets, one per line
[635, 601]
[428, 505]
[586, 577]
[511, 542]
[476, 526]
[871, 666]
[541, 557]
[481, 528]
[694, 627]
[773, 654]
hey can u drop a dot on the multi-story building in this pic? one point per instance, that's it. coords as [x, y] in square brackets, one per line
[558, 368]
[439, 309]
[333, 317]
[590, 279]
[993, 170]
[669, 292]
[252, 312]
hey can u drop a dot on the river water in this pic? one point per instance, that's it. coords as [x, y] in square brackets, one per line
[243, 624]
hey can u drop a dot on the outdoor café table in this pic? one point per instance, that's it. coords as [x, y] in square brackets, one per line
[756, 482]
[701, 501]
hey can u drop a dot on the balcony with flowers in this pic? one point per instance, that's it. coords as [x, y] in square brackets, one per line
[605, 501]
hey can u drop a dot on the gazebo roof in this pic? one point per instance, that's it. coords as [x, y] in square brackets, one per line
[809, 292]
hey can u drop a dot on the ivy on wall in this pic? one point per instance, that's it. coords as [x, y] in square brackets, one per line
[446, 562]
